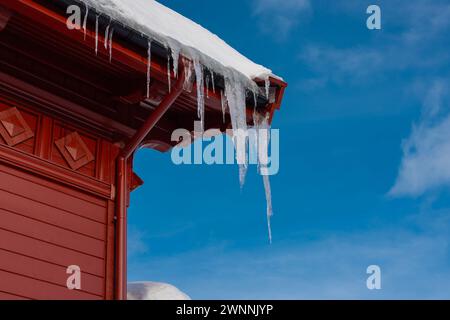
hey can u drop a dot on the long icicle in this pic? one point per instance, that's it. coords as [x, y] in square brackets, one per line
[223, 103]
[85, 20]
[268, 192]
[175, 57]
[169, 77]
[107, 36]
[236, 98]
[212, 81]
[207, 86]
[96, 34]
[111, 34]
[267, 85]
[149, 66]
[200, 92]
[262, 143]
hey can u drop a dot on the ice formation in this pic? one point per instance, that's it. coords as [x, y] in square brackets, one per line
[169, 79]
[212, 81]
[267, 86]
[96, 34]
[183, 37]
[149, 66]
[85, 21]
[200, 80]
[111, 34]
[207, 85]
[224, 104]
[235, 94]
[107, 36]
[175, 57]
[262, 127]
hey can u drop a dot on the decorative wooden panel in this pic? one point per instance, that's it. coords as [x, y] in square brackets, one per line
[14, 128]
[74, 150]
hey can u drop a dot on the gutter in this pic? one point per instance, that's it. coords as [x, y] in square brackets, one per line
[120, 291]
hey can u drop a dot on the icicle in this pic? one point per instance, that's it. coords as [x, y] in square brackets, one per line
[207, 86]
[267, 85]
[149, 66]
[212, 81]
[188, 79]
[96, 34]
[169, 80]
[111, 34]
[268, 191]
[175, 57]
[262, 144]
[85, 20]
[223, 103]
[235, 93]
[107, 35]
[255, 100]
[200, 92]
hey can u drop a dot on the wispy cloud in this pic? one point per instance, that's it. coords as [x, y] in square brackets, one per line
[280, 17]
[413, 39]
[426, 153]
[339, 65]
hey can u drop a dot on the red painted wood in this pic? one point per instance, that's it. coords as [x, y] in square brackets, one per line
[36, 289]
[48, 272]
[8, 296]
[50, 234]
[52, 216]
[40, 250]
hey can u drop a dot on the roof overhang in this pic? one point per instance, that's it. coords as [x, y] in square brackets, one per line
[130, 58]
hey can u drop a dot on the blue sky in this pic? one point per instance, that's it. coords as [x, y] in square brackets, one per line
[364, 162]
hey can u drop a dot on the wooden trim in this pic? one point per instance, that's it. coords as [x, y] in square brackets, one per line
[37, 166]
[58, 106]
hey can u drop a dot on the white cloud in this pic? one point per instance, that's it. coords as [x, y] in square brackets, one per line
[426, 153]
[280, 17]
[339, 64]
[413, 39]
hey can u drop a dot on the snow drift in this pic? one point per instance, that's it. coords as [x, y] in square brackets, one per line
[154, 291]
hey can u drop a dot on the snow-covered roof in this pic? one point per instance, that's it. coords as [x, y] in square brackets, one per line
[179, 33]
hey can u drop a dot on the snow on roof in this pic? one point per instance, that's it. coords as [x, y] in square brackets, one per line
[180, 34]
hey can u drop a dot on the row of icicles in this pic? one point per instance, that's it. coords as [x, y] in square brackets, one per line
[233, 97]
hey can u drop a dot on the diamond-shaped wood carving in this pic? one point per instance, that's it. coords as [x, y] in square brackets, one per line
[74, 151]
[13, 127]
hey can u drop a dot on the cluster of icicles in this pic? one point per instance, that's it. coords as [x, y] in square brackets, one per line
[233, 97]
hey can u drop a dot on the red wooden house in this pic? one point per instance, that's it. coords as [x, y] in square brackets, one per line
[70, 122]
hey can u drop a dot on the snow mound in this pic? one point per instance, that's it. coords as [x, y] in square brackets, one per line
[154, 291]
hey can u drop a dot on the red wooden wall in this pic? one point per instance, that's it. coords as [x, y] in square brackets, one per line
[56, 206]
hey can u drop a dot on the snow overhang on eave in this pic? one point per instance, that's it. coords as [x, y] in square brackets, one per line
[130, 47]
